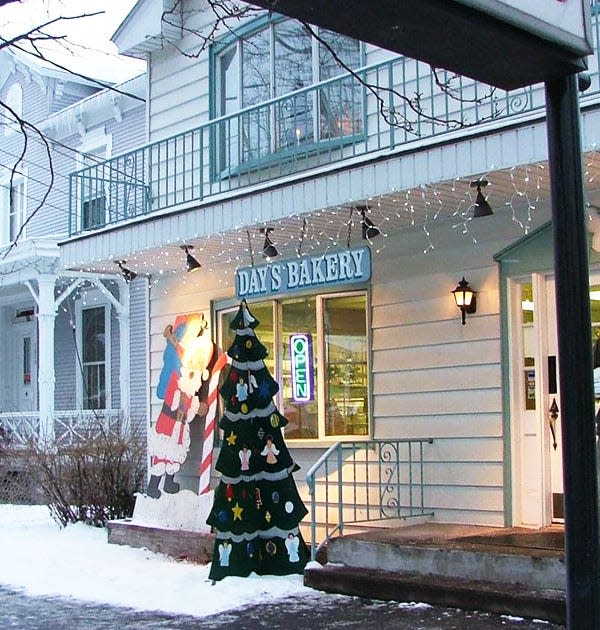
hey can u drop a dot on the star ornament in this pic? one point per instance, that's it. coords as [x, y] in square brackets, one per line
[231, 438]
[237, 512]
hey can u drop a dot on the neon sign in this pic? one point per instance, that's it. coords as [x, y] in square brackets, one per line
[301, 360]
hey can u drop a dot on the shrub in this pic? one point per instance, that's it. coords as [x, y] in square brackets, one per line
[94, 477]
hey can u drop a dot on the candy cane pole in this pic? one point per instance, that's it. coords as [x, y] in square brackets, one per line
[210, 425]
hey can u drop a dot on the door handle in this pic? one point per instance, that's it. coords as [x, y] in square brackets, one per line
[553, 418]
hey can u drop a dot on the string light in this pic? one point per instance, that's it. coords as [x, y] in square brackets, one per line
[431, 208]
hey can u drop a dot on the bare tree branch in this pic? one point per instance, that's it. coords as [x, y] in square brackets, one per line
[24, 126]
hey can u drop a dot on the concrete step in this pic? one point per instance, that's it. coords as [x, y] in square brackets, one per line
[530, 567]
[514, 599]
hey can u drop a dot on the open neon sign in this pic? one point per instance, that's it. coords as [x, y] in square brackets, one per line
[301, 359]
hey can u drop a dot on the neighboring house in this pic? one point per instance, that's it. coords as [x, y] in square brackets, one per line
[375, 213]
[65, 334]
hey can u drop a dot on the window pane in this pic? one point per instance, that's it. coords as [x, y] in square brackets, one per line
[26, 360]
[299, 316]
[94, 212]
[228, 130]
[528, 343]
[93, 357]
[340, 105]
[94, 390]
[93, 334]
[346, 357]
[17, 209]
[263, 311]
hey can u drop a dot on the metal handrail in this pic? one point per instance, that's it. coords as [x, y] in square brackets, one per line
[366, 481]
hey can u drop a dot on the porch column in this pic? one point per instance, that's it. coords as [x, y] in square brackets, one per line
[46, 378]
[575, 355]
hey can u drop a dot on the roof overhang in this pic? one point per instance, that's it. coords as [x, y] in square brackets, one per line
[482, 39]
[144, 28]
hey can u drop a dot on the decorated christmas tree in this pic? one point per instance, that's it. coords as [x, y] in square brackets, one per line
[257, 508]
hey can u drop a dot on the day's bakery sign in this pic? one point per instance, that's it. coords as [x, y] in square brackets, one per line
[350, 266]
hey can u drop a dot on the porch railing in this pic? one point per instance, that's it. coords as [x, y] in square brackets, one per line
[18, 429]
[364, 482]
[372, 110]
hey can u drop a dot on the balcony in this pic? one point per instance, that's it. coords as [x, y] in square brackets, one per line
[397, 105]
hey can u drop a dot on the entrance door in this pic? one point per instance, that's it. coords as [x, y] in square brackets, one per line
[26, 367]
[536, 405]
[552, 406]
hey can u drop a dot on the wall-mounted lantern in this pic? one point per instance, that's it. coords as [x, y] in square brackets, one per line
[465, 299]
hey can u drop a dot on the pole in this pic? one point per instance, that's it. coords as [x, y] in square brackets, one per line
[575, 355]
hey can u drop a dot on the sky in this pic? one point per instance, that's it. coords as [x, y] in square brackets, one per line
[89, 49]
[40, 558]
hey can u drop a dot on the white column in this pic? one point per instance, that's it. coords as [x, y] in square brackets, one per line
[46, 377]
[124, 367]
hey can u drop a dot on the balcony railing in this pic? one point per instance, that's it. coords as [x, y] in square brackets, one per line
[396, 103]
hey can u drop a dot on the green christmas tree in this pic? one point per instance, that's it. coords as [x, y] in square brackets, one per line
[257, 508]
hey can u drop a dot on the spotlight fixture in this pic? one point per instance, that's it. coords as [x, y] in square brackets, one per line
[127, 274]
[482, 207]
[465, 299]
[369, 229]
[191, 263]
[269, 250]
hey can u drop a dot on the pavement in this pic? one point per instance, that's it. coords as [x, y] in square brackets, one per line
[21, 612]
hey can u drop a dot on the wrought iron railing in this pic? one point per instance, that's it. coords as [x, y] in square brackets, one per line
[364, 482]
[19, 429]
[396, 103]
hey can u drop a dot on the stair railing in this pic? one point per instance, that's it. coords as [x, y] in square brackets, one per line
[364, 482]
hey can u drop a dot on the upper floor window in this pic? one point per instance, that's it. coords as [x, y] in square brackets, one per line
[13, 209]
[277, 58]
[93, 186]
[17, 210]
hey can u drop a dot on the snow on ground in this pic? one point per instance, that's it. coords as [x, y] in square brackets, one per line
[40, 558]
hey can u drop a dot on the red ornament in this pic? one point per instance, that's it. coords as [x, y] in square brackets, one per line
[229, 492]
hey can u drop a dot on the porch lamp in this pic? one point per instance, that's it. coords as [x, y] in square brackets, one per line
[482, 207]
[465, 299]
[128, 275]
[190, 262]
[269, 250]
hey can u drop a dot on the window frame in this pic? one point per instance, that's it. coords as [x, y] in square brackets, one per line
[219, 147]
[94, 299]
[221, 308]
[7, 211]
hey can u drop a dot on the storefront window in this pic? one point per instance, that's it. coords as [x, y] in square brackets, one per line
[299, 317]
[345, 332]
[318, 354]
